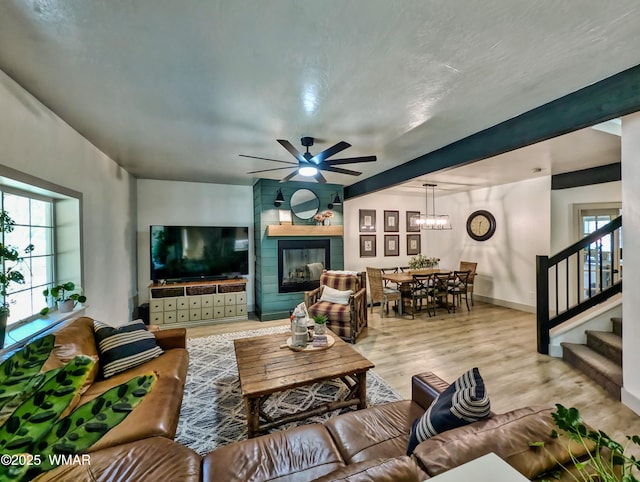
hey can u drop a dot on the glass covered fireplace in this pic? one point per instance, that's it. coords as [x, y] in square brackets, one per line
[300, 263]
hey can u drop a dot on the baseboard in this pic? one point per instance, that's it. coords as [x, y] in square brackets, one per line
[630, 400]
[506, 304]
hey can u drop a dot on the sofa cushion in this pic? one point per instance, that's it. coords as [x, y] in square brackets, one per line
[340, 281]
[333, 311]
[124, 347]
[156, 416]
[74, 338]
[381, 431]
[463, 402]
[335, 296]
[302, 453]
[508, 436]
[399, 469]
[151, 459]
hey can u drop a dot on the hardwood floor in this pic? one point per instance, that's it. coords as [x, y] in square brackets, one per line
[500, 341]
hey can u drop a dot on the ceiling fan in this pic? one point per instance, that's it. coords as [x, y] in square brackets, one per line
[310, 165]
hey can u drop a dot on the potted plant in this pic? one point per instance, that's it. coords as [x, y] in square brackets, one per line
[421, 262]
[62, 298]
[10, 261]
[319, 324]
[612, 464]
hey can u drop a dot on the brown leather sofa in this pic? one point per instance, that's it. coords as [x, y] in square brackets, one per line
[365, 445]
[159, 411]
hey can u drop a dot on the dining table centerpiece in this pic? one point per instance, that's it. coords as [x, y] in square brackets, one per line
[421, 261]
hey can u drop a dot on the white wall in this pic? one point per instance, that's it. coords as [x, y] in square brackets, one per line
[631, 222]
[35, 141]
[191, 204]
[506, 262]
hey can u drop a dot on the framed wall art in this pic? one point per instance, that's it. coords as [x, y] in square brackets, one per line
[412, 225]
[392, 245]
[391, 221]
[367, 220]
[367, 245]
[413, 244]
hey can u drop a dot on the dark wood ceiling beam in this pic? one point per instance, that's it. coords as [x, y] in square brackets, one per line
[612, 97]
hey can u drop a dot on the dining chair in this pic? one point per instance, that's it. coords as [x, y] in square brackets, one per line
[440, 293]
[422, 291]
[380, 293]
[387, 271]
[469, 266]
[458, 288]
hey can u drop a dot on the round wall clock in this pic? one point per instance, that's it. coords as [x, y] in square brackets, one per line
[481, 225]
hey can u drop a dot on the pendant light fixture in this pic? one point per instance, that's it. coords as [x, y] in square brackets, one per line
[432, 221]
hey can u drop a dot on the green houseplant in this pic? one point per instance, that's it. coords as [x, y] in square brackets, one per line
[10, 261]
[320, 323]
[607, 460]
[63, 297]
[420, 261]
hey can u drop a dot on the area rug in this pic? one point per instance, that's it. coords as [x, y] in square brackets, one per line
[212, 411]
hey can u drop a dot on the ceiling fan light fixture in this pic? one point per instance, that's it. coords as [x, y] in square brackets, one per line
[307, 171]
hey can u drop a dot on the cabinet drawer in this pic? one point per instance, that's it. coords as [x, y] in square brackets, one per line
[218, 300]
[230, 310]
[206, 301]
[241, 298]
[218, 312]
[156, 306]
[169, 304]
[241, 310]
[182, 303]
[183, 315]
[195, 302]
[195, 314]
[170, 317]
[229, 299]
[208, 313]
[156, 318]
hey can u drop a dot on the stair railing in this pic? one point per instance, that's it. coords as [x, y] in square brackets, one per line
[576, 279]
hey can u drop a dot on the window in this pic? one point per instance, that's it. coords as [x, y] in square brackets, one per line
[48, 216]
[34, 224]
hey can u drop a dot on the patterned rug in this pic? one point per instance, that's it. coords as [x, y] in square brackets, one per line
[212, 411]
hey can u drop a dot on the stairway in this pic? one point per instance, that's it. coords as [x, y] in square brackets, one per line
[600, 358]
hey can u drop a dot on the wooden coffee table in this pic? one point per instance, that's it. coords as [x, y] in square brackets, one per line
[265, 368]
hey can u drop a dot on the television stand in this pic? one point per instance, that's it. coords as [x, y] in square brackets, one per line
[193, 303]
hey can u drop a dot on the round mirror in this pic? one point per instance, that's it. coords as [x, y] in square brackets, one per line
[304, 203]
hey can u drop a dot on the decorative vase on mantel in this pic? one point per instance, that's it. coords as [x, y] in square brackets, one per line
[326, 221]
[318, 223]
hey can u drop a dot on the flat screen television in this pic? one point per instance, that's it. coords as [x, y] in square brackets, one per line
[187, 253]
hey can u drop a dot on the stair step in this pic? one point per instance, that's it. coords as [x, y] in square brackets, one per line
[606, 343]
[616, 322]
[597, 367]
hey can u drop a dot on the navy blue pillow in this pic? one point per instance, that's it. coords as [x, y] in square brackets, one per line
[125, 347]
[463, 402]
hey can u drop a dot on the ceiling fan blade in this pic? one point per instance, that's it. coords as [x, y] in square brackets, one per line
[267, 170]
[341, 171]
[320, 157]
[289, 176]
[267, 159]
[320, 178]
[294, 152]
[350, 160]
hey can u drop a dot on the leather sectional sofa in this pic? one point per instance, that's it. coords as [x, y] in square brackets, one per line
[364, 445]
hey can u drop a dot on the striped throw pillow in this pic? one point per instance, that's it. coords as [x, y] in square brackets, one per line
[124, 347]
[463, 402]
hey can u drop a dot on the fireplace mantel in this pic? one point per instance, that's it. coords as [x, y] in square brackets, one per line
[285, 230]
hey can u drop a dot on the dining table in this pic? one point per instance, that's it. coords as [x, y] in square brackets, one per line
[404, 279]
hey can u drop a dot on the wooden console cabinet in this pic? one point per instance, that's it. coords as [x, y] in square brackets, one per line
[198, 302]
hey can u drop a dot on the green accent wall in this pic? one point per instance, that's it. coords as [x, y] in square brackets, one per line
[269, 304]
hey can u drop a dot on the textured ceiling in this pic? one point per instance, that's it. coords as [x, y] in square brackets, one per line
[178, 89]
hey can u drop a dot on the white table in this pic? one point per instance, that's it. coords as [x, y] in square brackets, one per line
[488, 468]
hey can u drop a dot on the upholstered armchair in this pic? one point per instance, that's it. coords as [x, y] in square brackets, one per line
[342, 297]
